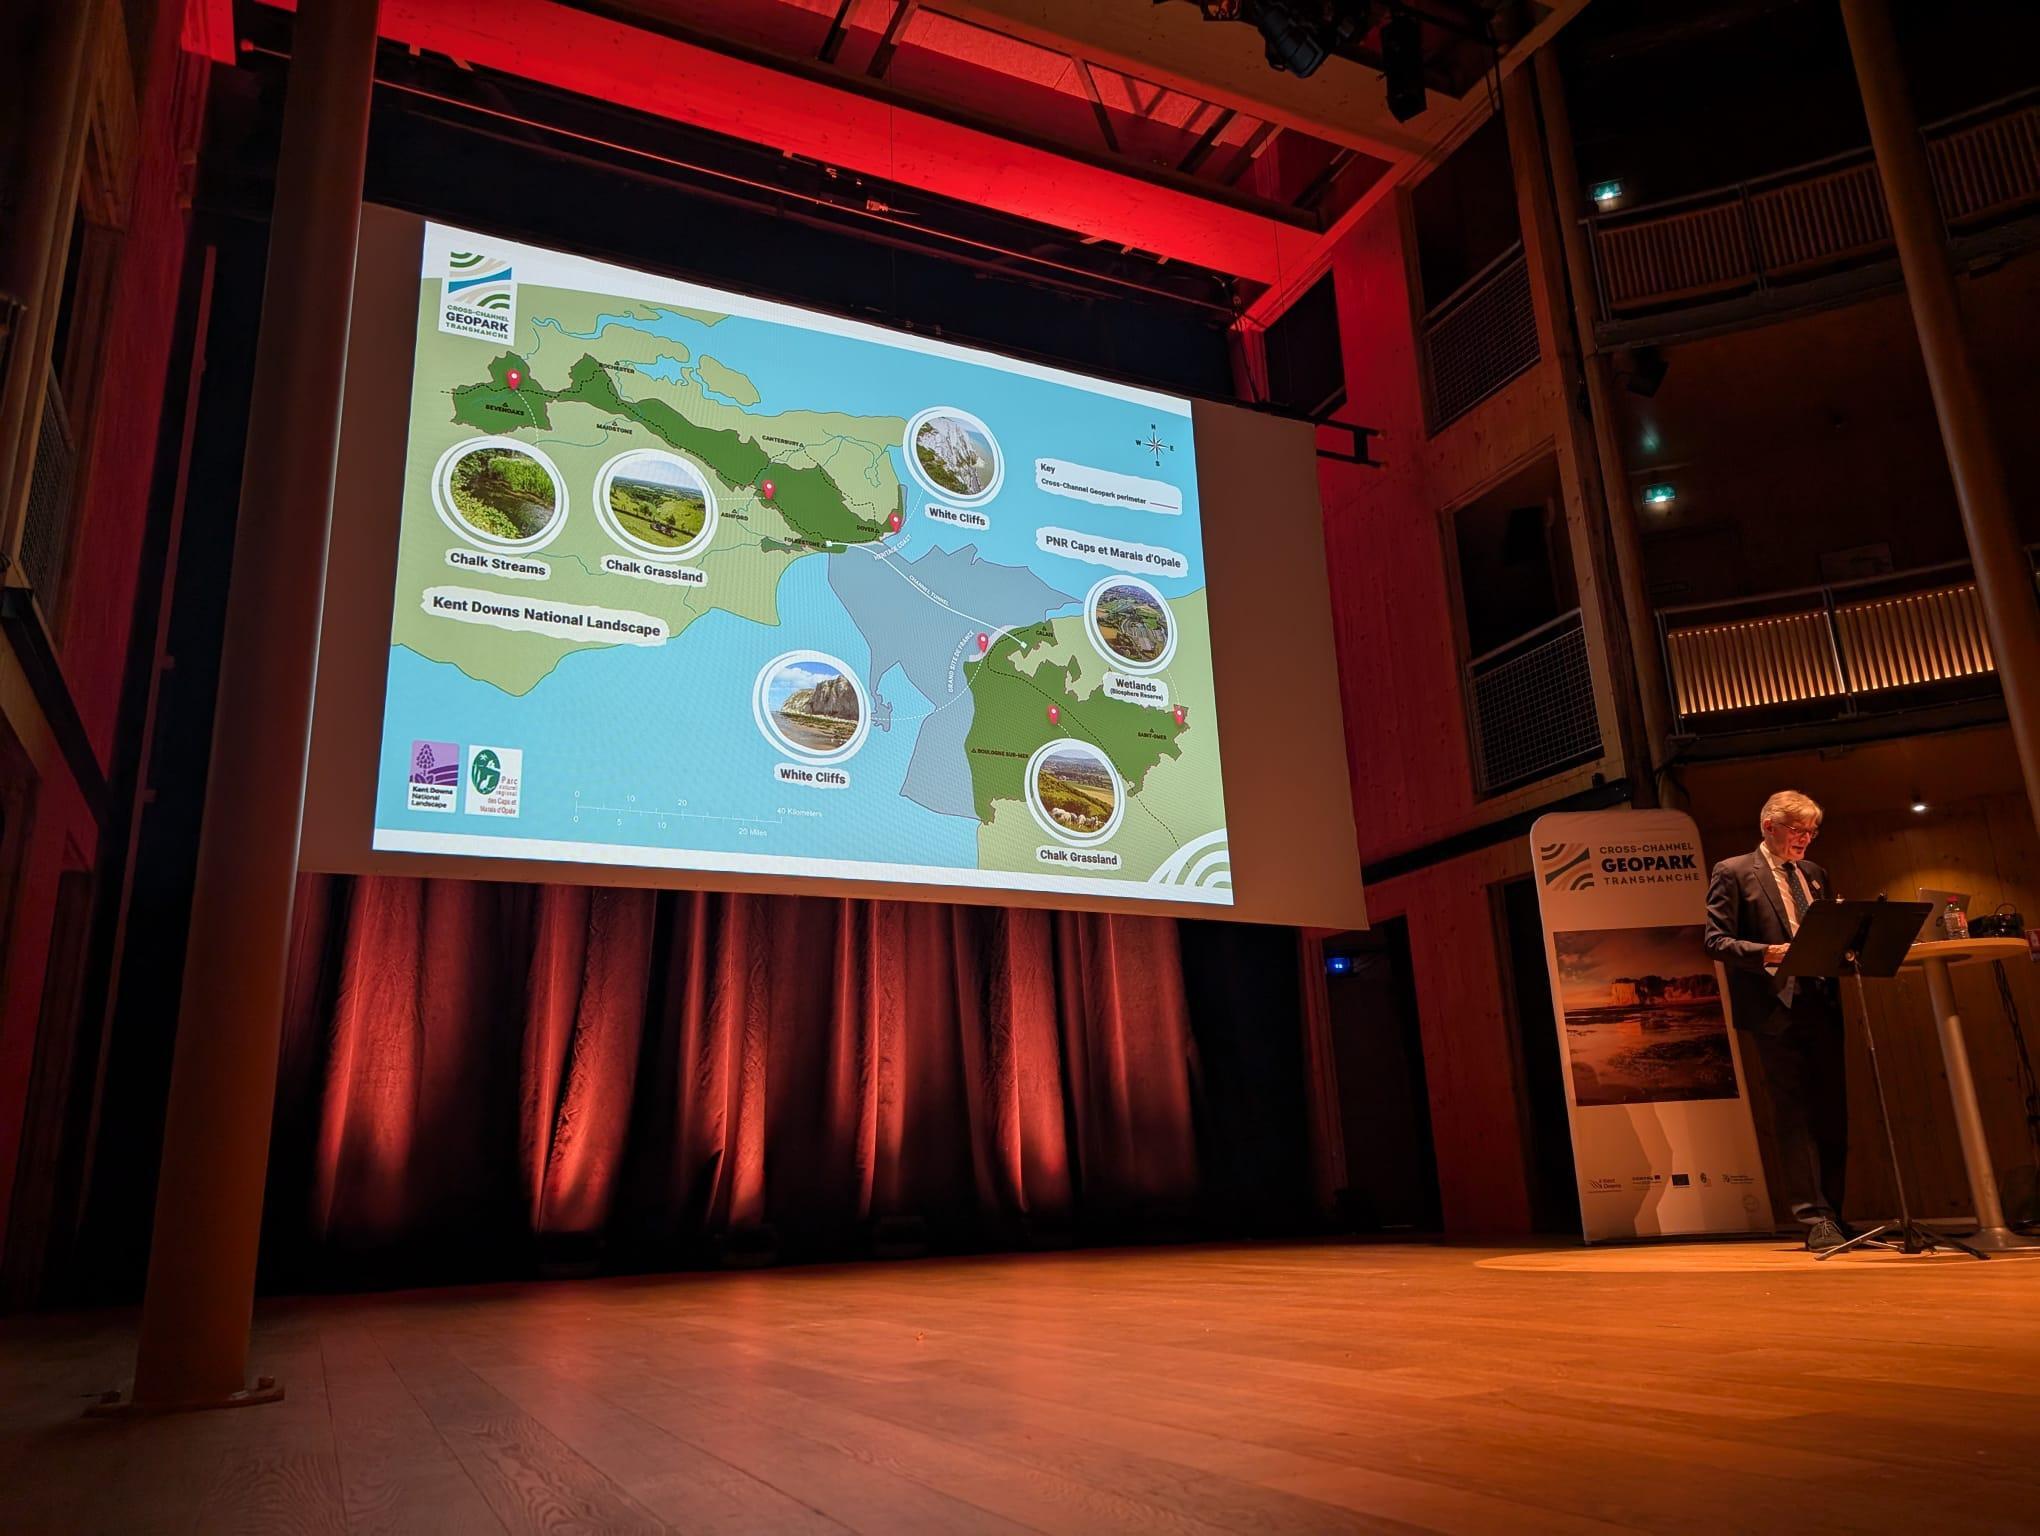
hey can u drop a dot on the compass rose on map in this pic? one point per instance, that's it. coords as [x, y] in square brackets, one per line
[1153, 443]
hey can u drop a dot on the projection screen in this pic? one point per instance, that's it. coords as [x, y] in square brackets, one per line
[634, 581]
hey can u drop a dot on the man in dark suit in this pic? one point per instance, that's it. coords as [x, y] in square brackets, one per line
[1754, 904]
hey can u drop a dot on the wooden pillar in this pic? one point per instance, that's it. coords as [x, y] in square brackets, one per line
[2004, 578]
[201, 1287]
[1613, 607]
[1625, 530]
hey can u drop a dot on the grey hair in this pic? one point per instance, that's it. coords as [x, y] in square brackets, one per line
[1788, 803]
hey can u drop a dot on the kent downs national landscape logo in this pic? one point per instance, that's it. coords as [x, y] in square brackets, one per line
[478, 296]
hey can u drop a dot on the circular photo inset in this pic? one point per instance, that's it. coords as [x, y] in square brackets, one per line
[498, 492]
[1129, 622]
[811, 706]
[1074, 792]
[954, 457]
[655, 503]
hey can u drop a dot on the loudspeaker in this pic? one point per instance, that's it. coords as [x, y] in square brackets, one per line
[1641, 369]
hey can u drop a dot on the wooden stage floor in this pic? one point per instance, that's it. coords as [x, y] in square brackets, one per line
[1238, 1388]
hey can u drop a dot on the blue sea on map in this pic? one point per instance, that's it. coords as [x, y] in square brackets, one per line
[670, 723]
[674, 723]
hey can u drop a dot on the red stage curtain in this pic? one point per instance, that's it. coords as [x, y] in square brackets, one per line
[468, 1066]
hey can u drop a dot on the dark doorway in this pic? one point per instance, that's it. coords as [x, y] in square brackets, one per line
[1384, 1105]
[1554, 1187]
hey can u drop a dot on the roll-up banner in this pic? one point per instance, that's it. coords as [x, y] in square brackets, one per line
[1662, 1140]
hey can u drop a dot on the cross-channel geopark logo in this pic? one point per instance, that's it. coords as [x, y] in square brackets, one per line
[1584, 867]
[1567, 866]
[478, 296]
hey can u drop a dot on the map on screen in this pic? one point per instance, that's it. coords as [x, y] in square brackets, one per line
[691, 580]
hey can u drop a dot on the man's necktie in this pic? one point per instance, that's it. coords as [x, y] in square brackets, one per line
[1795, 882]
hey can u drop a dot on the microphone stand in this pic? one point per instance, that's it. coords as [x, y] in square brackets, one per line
[1912, 1236]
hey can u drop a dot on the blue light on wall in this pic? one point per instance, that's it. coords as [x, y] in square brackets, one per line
[1338, 965]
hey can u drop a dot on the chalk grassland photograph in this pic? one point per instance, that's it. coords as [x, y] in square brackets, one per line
[956, 455]
[812, 705]
[1132, 622]
[503, 493]
[1077, 790]
[1643, 1019]
[658, 500]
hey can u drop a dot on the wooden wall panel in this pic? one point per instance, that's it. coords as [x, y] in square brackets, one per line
[1400, 656]
[1471, 1063]
[1977, 836]
[1386, 551]
[1817, 433]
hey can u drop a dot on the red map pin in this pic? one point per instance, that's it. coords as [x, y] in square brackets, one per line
[513, 378]
[1181, 712]
[984, 643]
[893, 522]
[1055, 714]
[766, 488]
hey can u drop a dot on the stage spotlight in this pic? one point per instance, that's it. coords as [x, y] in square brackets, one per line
[1402, 64]
[1919, 804]
[1291, 42]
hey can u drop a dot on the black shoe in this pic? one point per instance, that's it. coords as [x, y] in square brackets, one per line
[1823, 1235]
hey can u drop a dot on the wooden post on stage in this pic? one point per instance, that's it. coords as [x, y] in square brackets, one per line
[2004, 577]
[201, 1287]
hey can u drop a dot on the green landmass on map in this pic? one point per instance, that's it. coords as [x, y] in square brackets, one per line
[583, 397]
[808, 498]
[1175, 794]
[1009, 719]
[727, 381]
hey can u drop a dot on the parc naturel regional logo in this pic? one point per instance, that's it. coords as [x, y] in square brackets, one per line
[495, 780]
[478, 296]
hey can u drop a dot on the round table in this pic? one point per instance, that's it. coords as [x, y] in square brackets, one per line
[1934, 958]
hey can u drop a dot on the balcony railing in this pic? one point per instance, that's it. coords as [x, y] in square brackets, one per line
[1809, 220]
[52, 488]
[1907, 640]
[1532, 706]
[1478, 339]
